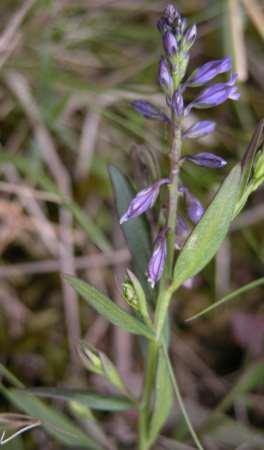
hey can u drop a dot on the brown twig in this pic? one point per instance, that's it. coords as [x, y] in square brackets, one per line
[97, 260]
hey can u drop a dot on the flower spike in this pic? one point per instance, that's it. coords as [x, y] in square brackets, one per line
[143, 201]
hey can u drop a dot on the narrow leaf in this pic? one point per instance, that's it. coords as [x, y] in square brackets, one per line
[208, 234]
[55, 423]
[135, 230]
[86, 398]
[248, 158]
[110, 310]
[163, 398]
[237, 292]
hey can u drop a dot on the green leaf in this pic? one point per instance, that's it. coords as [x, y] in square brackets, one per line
[141, 298]
[249, 156]
[241, 290]
[208, 234]
[163, 398]
[110, 310]
[252, 167]
[55, 423]
[86, 398]
[135, 230]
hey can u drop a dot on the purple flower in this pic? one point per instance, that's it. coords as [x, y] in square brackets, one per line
[215, 95]
[182, 232]
[205, 159]
[208, 71]
[165, 78]
[194, 207]
[177, 103]
[143, 201]
[199, 129]
[170, 44]
[148, 110]
[158, 258]
[190, 37]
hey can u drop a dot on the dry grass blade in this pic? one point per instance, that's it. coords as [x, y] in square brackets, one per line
[20, 87]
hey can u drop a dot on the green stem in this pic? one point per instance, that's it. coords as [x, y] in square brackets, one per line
[173, 191]
[181, 402]
[165, 293]
[146, 397]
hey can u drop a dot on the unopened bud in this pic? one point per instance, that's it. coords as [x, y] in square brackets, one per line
[170, 44]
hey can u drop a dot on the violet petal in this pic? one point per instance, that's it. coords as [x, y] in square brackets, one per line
[170, 44]
[148, 110]
[143, 201]
[165, 78]
[157, 261]
[208, 71]
[177, 103]
[206, 159]
[199, 129]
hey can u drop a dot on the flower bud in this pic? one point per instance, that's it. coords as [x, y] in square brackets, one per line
[148, 110]
[189, 37]
[90, 358]
[199, 129]
[205, 159]
[177, 103]
[99, 363]
[165, 78]
[143, 201]
[170, 14]
[182, 232]
[189, 284]
[194, 207]
[158, 258]
[215, 95]
[129, 294]
[208, 71]
[170, 44]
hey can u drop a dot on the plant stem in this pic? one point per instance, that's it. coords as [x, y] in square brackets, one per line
[173, 190]
[146, 397]
[165, 293]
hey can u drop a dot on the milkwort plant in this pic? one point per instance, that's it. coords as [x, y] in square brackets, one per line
[179, 252]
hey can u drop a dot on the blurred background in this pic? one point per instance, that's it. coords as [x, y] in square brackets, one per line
[68, 70]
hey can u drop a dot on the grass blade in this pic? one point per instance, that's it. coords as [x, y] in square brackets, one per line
[245, 288]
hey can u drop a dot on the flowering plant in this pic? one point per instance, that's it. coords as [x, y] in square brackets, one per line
[185, 239]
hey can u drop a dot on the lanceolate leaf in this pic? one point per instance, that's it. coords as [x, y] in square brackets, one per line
[163, 398]
[111, 311]
[86, 398]
[135, 230]
[208, 234]
[248, 158]
[55, 423]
